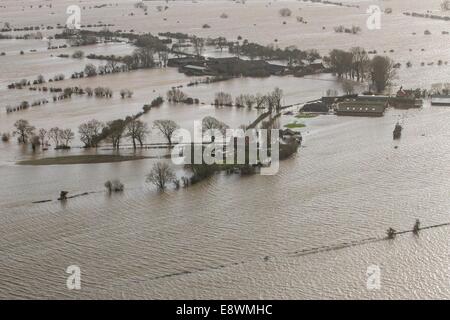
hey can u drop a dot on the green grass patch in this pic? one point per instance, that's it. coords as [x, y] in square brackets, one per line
[295, 125]
[306, 115]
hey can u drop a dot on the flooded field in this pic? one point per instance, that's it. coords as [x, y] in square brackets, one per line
[229, 236]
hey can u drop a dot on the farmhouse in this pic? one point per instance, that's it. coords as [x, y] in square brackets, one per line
[405, 99]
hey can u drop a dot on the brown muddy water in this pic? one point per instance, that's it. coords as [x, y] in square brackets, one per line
[231, 237]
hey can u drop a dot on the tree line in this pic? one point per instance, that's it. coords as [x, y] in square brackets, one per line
[356, 64]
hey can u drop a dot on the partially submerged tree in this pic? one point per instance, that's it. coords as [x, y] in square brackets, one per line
[90, 70]
[35, 142]
[211, 123]
[23, 130]
[78, 54]
[167, 128]
[90, 133]
[348, 87]
[176, 95]
[6, 136]
[115, 131]
[285, 12]
[160, 175]
[382, 72]
[42, 134]
[223, 99]
[55, 135]
[137, 131]
[67, 136]
[114, 186]
[199, 45]
[274, 100]
[126, 93]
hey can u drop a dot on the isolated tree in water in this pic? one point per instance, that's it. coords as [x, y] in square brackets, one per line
[167, 128]
[23, 130]
[161, 175]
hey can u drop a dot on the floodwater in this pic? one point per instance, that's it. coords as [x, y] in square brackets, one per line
[231, 237]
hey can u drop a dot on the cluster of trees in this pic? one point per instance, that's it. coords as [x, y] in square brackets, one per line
[223, 99]
[39, 80]
[27, 133]
[24, 105]
[271, 101]
[60, 137]
[155, 103]
[78, 54]
[114, 186]
[143, 57]
[292, 54]
[93, 132]
[356, 64]
[352, 29]
[176, 95]
[211, 123]
[126, 93]
[100, 92]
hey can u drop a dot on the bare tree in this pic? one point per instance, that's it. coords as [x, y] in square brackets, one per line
[274, 99]
[348, 87]
[445, 5]
[199, 45]
[112, 65]
[361, 62]
[167, 128]
[211, 123]
[90, 133]
[176, 95]
[260, 101]
[42, 134]
[24, 130]
[223, 99]
[67, 136]
[137, 131]
[55, 135]
[160, 175]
